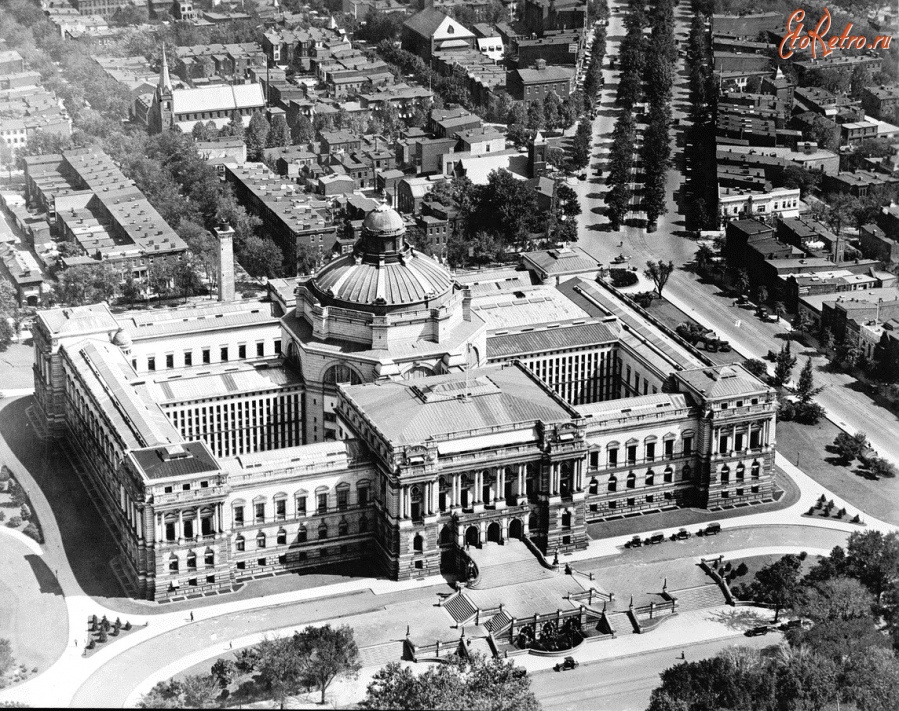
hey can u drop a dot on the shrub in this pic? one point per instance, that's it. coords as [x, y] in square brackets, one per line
[25, 512]
[742, 569]
[841, 513]
[5, 474]
[822, 499]
[786, 411]
[880, 467]
[114, 632]
[756, 367]
[127, 626]
[622, 277]
[14, 522]
[803, 555]
[91, 644]
[808, 413]
[34, 532]
[856, 519]
[811, 511]
[2, 516]
[727, 567]
[101, 637]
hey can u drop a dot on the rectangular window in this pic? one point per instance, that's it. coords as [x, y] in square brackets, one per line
[755, 439]
[322, 503]
[224, 354]
[206, 355]
[632, 454]
[188, 358]
[281, 509]
[301, 506]
[342, 498]
[151, 363]
[613, 457]
[260, 348]
[594, 460]
[738, 441]
[688, 446]
[170, 360]
[724, 444]
[241, 352]
[650, 451]
[362, 493]
[260, 512]
[669, 449]
[238, 515]
[277, 346]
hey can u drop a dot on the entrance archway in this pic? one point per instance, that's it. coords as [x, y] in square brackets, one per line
[493, 532]
[446, 536]
[515, 528]
[473, 536]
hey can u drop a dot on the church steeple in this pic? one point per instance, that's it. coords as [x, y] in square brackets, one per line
[165, 82]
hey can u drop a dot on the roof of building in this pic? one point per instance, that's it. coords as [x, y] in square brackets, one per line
[723, 381]
[551, 337]
[177, 460]
[433, 23]
[415, 412]
[535, 305]
[634, 407]
[220, 380]
[223, 97]
[564, 260]
[78, 320]
[550, 73]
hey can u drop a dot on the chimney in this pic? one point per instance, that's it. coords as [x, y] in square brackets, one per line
[466, 304]
[225, 271]
[540, 65]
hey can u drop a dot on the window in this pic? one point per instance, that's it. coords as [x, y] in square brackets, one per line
[755, 438]
[322, 503]
[277, 346]
[668, 475]
[260, 512]
[205, 355]
[224, 354]
[238, 515]
[631, 481]
[613, 483]
[669, 449]
[282, 537]
[242, 352]
[343, 528]
[170, 360]
[151, 363]
[650, 451]
[632, 454]
[362, 494]
[280, 509]
[239, 543]
[167, 490]
[322, 531]
[363, 525]
[650, 478]
[613, 456]
[260, 348]
[185, 487]
[631, 502]
[192, 560]
[688, 446]
[173, 564]
[188, 359]
[209, 558]
[594, 460]
[724, 444]
[260, 540]
[301, 506]
[302, 536]
[342, 498]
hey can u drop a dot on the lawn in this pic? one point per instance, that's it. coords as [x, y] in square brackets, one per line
[755, 563]
[16, 366]
[671, 316]
[807, 444]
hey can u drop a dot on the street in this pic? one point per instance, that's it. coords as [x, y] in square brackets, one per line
[625, 684]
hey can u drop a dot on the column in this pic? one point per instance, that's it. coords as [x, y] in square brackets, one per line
[522, 486]
[180, 525]
[401, 502]
[198, 531]
[734, 436]
[501, 487]
[435, 496]
[139, 522]
[478, 487]
[407, 500]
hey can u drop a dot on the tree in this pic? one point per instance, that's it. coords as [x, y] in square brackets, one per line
[260, 256]
[880, 467]
[234, 127]
[849, 447]
[552, 111]
[873, 558]
[741, 281]
[756, 367]
[659, 273]
[200, 131]
[380, 26]
[328, 652]
[257, 135]
[165, 695]
[279, 665]
[6, 333]
[783, 366]
[302, 130]
[279, 135]
[201, 691]
[160, 276]
[762, 294]
[476, 683]
[839, 598]
[805, 387]
[87, 284]
[536, 119]
[795, 176]
[778, 584]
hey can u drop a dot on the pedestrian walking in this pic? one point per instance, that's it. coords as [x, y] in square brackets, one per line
[191, 616]
[76, 643]
[683, 655]
[231, 644]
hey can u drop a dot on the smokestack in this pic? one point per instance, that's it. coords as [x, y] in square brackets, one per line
[225, 272]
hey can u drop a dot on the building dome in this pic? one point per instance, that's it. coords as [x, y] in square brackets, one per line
[382, 271]
[122, 339]
[384, 220]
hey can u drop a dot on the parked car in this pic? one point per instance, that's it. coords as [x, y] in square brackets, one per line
[634, 542]
[712, 529]
[790, 625]
[620, 259]
[657, 537]
[567, 663]
[758, 631]
[681, 535]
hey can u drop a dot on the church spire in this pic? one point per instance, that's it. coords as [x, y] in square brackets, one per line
[165, 83]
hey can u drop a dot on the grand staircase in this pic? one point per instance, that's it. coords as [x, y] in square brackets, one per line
[379, 655]
[508, 564]
[699, 598]
[460, 607]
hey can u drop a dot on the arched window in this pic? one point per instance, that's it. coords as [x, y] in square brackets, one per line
[668, 475]
[260, 540]
[173, 563]
[613, 483]
[741, 471]
[302, 536]
[594, 486]
[419, 371]
[322, 530]
[363, 525]
[209, 558]
[341, 373]
[755, 470]
[239, 543]
[191, 560]
[343, 528]
[725, 474]
[418, 543]
[686, 472]
[631, 481]
[282, 537]
[650, 478]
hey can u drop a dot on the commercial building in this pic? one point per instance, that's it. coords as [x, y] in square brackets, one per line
[534, 84]
[429, 420]
[430, 31]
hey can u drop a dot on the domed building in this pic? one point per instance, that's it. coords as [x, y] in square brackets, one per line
[383, 312]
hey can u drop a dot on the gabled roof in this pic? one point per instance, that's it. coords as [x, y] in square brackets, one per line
[432, 23]
[217, 98]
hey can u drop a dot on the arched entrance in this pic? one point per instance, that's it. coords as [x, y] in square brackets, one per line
[515, 528]
[566, 519]
[473, 536]
[446, 536]
[493, 532]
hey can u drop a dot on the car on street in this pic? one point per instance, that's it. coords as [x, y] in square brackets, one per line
[791, 625]
[655, 538]
[712, 529]
[567, 663]
[620, 259]
[634, 542]
[682, 535]
[758, 631]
